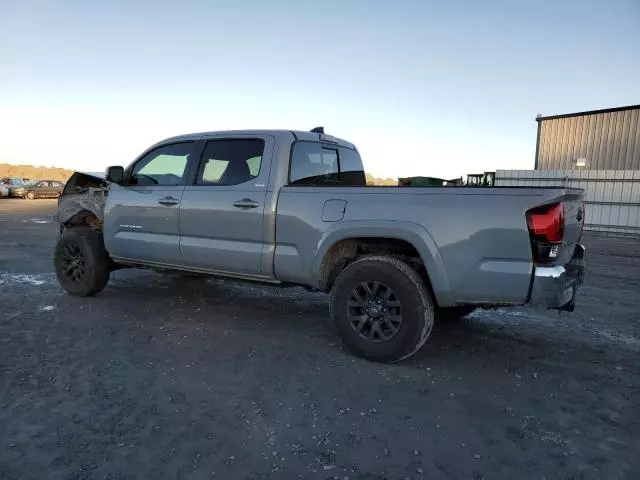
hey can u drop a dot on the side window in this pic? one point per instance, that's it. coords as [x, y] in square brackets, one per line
[164, 166]
[230, 161]
[42, 184]
[313, 164]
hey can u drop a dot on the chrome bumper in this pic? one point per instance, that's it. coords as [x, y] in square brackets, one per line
[556, 287]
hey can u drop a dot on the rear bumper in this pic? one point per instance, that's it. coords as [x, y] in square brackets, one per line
[556, 287]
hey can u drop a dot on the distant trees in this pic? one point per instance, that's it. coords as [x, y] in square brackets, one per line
[34, 173]
[371, 180]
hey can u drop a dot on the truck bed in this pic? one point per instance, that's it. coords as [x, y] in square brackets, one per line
[475, 242]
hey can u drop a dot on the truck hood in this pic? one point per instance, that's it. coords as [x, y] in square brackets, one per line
[97, 175]
[81, 181]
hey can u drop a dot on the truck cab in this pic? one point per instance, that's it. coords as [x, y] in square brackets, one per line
[209, 201]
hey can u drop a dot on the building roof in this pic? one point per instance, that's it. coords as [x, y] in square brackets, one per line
[589, 112]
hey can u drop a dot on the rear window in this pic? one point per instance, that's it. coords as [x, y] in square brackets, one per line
[314, 163]
[230, 161]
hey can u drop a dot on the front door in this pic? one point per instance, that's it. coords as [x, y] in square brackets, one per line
[142, 215]
[221, 215]
[42, 189]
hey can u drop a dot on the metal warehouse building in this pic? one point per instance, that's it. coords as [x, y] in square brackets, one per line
[595, 140]
[597, 151]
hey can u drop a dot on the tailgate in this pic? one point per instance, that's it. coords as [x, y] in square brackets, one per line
[573, 216]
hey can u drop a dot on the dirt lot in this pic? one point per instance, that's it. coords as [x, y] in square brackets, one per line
[159, 377]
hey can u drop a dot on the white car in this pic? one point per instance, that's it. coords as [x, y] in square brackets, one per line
[4, 190]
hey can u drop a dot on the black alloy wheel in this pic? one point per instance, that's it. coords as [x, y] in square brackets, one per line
[73, 263]
[374, 311]
[382, 308]
[81, 261]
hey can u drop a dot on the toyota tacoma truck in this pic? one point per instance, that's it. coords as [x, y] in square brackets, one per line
[293, 208]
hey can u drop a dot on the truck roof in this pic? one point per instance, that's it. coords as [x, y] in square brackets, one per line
[297, 134]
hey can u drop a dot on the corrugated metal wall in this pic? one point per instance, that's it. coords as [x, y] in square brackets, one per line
[607, 141]
[612, 197]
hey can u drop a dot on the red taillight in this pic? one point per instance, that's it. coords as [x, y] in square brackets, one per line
[547, 223]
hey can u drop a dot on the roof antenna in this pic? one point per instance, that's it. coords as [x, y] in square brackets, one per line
[317, 130]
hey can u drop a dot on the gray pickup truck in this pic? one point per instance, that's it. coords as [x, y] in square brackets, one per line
[293, 208]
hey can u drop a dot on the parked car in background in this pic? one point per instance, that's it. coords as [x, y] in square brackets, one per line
[7, 183]
[40, 189]
[12, 181]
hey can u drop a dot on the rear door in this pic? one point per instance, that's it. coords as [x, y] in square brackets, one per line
[221, 214]
[49, 190]
[142, 215]
[56, 189]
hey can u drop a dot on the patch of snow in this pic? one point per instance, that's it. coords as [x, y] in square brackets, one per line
[512, 311]
[38, 220]
[47, 308]
[22, 279]
[619, 337]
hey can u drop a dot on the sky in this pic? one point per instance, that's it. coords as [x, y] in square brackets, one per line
[433, 88]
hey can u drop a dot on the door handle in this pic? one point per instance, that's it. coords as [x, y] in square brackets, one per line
[168, 201]
[245, 203]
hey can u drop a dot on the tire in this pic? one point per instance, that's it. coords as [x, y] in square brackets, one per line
[30, 196]
[81, 262]
[454, 314]
[410, 300]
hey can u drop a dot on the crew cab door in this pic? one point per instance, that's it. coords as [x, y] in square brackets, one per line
[221, 214]
[142, 215]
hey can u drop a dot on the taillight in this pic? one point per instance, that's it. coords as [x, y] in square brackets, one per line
[546, 229]
[547, 223]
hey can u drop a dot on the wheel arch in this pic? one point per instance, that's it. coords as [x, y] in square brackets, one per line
[83, 218]
[348, 241]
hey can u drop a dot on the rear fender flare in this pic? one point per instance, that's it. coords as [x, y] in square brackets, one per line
[412, 233]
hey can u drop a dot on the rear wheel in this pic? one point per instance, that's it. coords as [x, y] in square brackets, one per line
[382, 309]
[454, 314]
[81, 262]
[30, 196]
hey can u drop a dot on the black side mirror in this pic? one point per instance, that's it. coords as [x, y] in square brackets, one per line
[115, 174]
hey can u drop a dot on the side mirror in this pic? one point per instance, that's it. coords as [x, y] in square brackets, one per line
[115, 174]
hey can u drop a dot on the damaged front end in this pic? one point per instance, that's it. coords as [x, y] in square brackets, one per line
[82, 201]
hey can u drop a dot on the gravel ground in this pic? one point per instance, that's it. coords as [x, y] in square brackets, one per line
[160, 377]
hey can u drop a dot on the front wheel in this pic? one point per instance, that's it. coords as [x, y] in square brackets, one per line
[81, 262]
[382, 309]
[30, 196]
